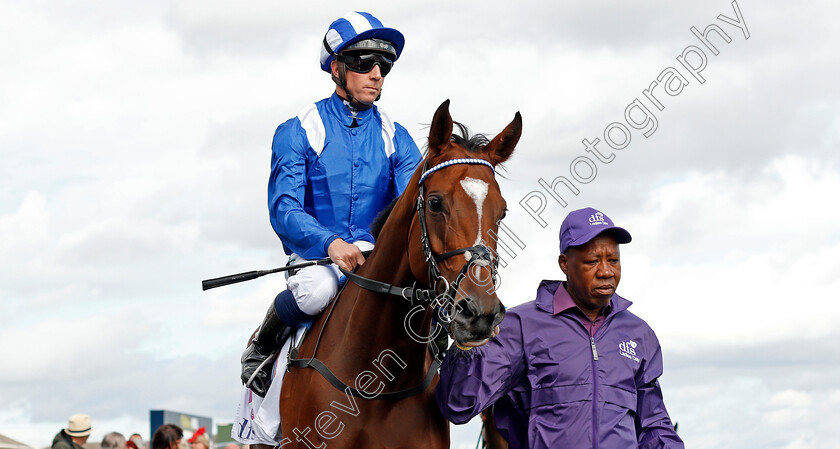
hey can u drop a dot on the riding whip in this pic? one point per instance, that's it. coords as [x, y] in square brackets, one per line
[207, 284]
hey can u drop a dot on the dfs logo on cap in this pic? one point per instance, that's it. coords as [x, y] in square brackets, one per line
[597, 219]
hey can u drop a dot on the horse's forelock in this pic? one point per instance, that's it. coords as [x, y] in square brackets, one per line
[473, 143]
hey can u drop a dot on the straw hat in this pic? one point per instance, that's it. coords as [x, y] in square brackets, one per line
[78, 426]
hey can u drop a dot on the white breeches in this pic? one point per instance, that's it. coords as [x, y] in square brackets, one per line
[314, 287]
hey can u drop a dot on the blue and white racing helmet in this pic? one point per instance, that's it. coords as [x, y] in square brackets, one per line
[352, 28]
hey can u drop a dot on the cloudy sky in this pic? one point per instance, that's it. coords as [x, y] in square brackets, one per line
[135, 145]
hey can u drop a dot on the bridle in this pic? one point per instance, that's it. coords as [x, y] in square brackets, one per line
[443, 300]
[478, 255]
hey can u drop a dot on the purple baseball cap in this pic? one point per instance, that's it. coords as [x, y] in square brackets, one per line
[583, 225]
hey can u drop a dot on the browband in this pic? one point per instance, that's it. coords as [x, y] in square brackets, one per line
[453, 162]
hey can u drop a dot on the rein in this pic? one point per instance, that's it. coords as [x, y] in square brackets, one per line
[478, 255]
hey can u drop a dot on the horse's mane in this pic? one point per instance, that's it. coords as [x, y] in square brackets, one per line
[473, 143]
[381, 218]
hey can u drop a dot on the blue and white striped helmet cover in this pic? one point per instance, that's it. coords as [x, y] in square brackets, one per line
[353, 27]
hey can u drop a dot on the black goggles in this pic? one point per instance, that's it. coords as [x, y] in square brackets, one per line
[364, 63]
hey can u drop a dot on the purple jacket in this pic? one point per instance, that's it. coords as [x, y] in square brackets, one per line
[554, 387]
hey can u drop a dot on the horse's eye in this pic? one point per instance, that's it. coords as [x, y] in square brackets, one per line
[435, 204]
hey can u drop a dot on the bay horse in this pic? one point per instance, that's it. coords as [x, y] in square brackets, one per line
[439, 233]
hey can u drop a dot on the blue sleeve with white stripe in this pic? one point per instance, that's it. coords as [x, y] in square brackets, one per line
[300, 232]
[405, 160]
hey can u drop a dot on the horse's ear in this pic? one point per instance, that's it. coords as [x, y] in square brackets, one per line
[441, 129]
[500, 148]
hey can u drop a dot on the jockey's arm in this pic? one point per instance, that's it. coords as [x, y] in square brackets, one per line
[286, 190]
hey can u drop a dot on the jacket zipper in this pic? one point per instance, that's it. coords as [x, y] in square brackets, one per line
[595, 440]
[594, 393]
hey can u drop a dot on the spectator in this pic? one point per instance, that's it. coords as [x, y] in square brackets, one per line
[113, 440]
[75, 435]
[200, 440]
[167, 436]
[135, 442]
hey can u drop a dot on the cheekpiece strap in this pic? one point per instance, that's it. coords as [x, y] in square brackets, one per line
[454, 162]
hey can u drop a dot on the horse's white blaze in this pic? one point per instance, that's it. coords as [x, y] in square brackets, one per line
[477, 190]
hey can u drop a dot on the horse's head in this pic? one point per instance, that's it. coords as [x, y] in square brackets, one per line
[460, 207]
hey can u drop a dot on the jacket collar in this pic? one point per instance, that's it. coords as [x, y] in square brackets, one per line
[545, 298]
[336, 107]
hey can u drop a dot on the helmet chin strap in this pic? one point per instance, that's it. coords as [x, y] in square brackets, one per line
[341, 81]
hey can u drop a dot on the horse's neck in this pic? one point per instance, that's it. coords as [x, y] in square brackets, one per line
[375, 323]
[378, 321]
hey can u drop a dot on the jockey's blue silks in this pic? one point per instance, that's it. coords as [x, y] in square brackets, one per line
[329, 180]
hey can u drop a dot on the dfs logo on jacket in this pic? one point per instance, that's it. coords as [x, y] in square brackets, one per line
[628, 349]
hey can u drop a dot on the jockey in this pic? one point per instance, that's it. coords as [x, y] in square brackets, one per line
[334, 167]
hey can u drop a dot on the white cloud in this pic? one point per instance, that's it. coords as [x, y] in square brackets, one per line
[80, 344]
[29, 225]
[791, 399]
[788, 408]
[786, 416]
[801, 443]
[243, 304]
[712, 244]
[834, 397]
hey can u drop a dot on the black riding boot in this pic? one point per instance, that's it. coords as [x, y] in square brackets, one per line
[268, 339]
